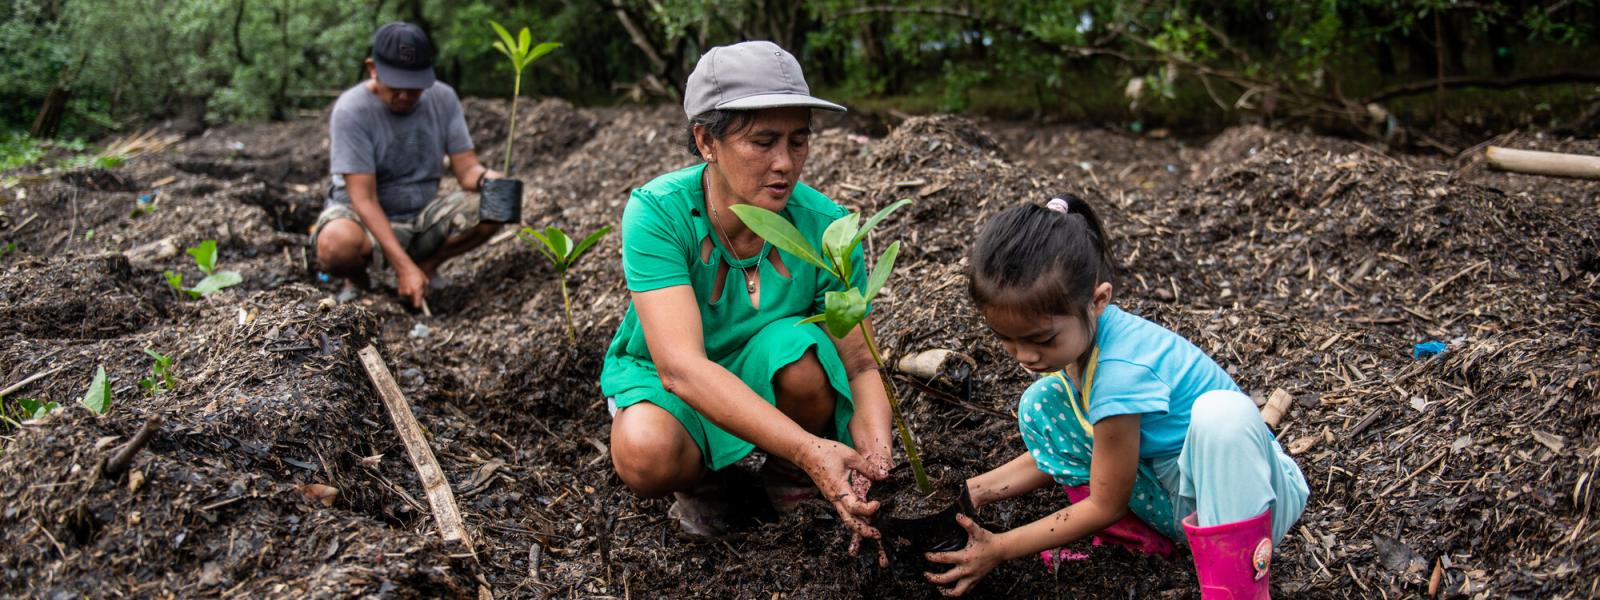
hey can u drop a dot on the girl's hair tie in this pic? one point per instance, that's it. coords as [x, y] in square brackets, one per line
[1058, 205]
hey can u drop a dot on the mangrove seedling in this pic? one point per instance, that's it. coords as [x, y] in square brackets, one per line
[522, 52]
[98, 398]
[205, 257]
[34, 409]
[556, 246]
[848, 309]
[161, 379]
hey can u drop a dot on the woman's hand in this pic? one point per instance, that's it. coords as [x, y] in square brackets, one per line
[877, 460]
[830, 465]
[972, 563]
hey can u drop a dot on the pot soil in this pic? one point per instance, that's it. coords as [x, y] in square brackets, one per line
[914, 524]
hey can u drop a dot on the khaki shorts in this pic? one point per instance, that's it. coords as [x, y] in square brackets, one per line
[421, 236]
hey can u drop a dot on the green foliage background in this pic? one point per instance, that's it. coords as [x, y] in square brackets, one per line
[210, 61]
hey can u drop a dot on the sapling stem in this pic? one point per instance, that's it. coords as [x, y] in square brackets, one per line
[511, 128]
[572, 339]
[912, 455]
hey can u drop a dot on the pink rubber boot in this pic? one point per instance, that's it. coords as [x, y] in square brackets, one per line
[1233, 560]
[1129, 532]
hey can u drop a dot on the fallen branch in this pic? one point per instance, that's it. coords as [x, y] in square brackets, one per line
[1435, 84]
[434, 484]
[30, 379]
[1543, 163]
[119, 461]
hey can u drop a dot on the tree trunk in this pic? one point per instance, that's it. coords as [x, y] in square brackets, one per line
[48, 122]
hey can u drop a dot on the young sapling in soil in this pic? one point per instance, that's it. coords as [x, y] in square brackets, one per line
[500, 200]
[161, 379]
[205, 257]
[563, 254]
[848, 309]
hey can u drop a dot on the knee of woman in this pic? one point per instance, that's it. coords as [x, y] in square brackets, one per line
[803, 377]
[1225, 415]
[649, 462]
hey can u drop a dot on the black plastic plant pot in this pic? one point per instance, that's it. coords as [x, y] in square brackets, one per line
[500, 201]
[913, 525]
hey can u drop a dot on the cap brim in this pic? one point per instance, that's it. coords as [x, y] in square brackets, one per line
[760, 101]
[404, 79]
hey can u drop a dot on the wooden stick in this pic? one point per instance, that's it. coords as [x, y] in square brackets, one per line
[1413, 475]
[1534, 162]
[434, 483]
[124, 456]
[31, 378]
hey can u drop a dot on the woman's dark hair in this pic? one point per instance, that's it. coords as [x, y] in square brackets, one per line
[1039, 261]
[720, 124]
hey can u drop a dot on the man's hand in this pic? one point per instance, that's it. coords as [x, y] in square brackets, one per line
[982, 554]
[413, 283]
[877, 460]
[830, 465]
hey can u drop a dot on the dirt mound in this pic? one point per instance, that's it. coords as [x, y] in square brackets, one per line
[1301, 263]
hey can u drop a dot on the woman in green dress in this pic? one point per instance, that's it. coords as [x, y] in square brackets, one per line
[709, 362]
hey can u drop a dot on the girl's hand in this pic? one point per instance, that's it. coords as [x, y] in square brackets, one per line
[830, 465]
[982, 554]
[860, 484]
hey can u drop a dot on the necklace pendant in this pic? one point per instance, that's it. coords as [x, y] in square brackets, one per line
[750, 287]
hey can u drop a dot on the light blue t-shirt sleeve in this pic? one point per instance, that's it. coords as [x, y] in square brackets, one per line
[1127, 388]
[653, 255]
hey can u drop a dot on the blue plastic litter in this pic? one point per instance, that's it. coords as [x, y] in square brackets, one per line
[145, 199]
[1428, 348]
[323, 277]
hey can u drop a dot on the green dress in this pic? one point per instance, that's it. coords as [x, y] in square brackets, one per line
[663, 228]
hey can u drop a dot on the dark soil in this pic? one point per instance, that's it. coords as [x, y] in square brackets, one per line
[1302, 263]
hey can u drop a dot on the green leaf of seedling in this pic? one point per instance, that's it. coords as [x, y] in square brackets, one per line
[8, 248]
[506, 51]
[36, 409]
[587, 242]
[844, 311]
[148, 385]
[205, 255]
[877, 218]
[539, 51]
[780, 232]
[175, 280]
[538, 241]
[505, 38]
[524, 43]
[812, 319]
[214, 283]
[560, 245]
[836, 242]
[162, 361]
[98, 398]
[880, 271]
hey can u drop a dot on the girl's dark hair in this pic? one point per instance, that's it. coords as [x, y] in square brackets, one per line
[1038, 261]
[720, 124]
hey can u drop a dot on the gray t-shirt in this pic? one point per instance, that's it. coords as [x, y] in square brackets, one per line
[406, 152]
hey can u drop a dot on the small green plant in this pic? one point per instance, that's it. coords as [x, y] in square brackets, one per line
[563, 254]
[205, 257]
[522, 52]
[98, 397]
[161, 376]
[7, 248]
[848, 309]
[34, 409]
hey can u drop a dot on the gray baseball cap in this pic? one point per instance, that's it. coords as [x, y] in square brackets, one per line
[748, 76]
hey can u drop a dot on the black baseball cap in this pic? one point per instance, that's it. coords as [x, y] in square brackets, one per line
[404, 56]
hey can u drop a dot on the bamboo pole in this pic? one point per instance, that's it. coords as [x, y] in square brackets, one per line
[1543, 163]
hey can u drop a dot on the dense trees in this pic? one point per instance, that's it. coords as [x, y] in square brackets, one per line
[197, 61]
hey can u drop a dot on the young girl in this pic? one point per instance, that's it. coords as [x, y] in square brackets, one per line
[1152, 440]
